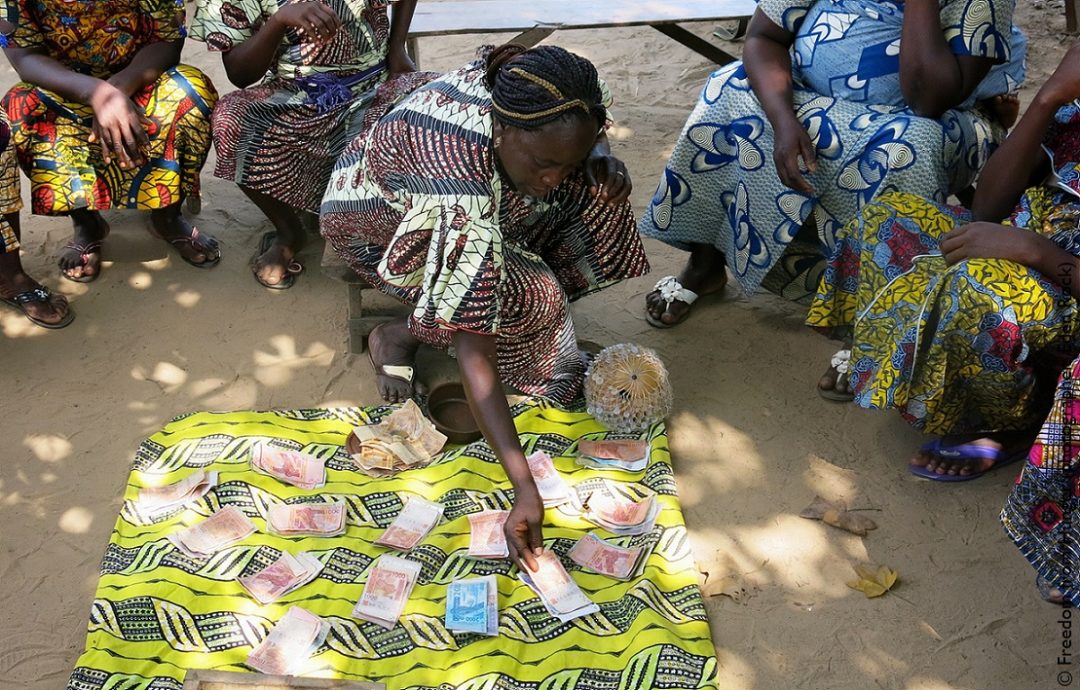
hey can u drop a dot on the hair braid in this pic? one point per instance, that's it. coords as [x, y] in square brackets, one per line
[531, 88]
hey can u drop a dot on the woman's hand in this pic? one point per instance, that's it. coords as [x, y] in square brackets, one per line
[791, 146]
[609, 180]
[981, 240]
[399, 62]
[524, 536]
[119, 127]
[316, 21]
[1064, 84]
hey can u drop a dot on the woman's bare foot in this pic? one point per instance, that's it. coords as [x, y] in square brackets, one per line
[198, 249]
[275, 266]
[704, 273]
[1005, 109]
[392, 350]
[962, 456]
[80, 259]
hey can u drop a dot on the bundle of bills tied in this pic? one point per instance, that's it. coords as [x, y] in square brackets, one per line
[619, 514]
[404, 440]
[388, 587]
[552, 487]
[299, 469]
[225, 527]
[412, 524]
[156, 500]
[601, 557]
[472, 605]
[282, 576]
[289, 646]
[306, 519]
[631, 455]
[560, 594]
[486, 536]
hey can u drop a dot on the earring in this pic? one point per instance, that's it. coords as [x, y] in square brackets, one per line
[498, 142]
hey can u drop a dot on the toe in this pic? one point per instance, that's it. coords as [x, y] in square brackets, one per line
[827, 382]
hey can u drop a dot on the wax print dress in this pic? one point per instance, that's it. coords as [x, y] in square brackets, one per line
[720, 185]
[955, 348]
[1041, 513]
[10, 199]
[417, 206]
[282, 136]
[50, 134]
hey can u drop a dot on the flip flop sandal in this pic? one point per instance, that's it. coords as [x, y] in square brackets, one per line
[294, 268]
[85, 251]
[191, 240]
[672, 291]
[998, 457]
[38, 294]
[841, 362]
[398, 372]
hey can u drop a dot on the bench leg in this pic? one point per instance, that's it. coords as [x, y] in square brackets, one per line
[357, 336]
[1072, 12]
[412, 47]
[695, 43]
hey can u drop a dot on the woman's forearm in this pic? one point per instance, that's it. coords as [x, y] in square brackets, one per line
[401, 15]
[246, 63]
[767, 60]
[149, 63]
[52, 75]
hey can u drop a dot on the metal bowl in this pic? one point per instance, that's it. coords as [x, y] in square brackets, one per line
[449, 410]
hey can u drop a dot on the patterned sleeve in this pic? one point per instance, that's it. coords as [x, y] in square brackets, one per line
[27, 33]
[787, 14]
[225, 24]
[979, 28]
[166, 19]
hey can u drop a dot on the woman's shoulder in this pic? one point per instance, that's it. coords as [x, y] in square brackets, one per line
[457, 101]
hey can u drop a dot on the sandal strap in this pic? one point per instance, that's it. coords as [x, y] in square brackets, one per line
[672, 291]
[84, 249]
[841, 361]
[38, 294]
[397, 371]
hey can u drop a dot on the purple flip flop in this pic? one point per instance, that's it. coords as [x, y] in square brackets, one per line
[965, 451]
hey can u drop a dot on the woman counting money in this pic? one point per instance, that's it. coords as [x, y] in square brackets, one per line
[488, 199]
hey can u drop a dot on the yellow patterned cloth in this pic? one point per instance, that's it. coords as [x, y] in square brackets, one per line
[158, 613]
[10, 197]
[50, 136]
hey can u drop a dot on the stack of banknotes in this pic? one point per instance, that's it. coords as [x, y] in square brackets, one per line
[486, 537]
[299, 469]
[306, 519]
[631, 455]
[620, 515]
[472, 606]
[593, 553]
[412, 524]
[157, 500]
[282, 576]
[290, 644]
[387, 589]
[224, 528]
[552, 487]
[404, 440]
[560, 595]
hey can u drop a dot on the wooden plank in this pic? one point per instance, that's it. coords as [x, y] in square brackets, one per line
[482, 16]
[1072, 13]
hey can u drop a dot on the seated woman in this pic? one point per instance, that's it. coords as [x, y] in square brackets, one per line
[318, 64]
[828, 109]
[106, 117]
[488, 199]
[961, 320]
[17, 289]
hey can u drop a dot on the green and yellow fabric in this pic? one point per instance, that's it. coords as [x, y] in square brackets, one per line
[158, 613]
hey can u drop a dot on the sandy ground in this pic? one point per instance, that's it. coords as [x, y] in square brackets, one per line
[752, 441]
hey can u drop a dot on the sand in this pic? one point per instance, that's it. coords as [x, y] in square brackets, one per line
[751, 439]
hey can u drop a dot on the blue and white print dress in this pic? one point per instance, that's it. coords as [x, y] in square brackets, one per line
[720, 186]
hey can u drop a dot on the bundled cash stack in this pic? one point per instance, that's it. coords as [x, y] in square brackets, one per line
[486, 536]
[472, 606]
[404, 440]
[595, 554]
[620, 515]
[553, 488]
[289, 646]
[559, 593]
[284, 575]
[306, 519]
[630, 455]
[299, 469]
[387, 589]
[412, 524]
[157, 500]
[224, 528]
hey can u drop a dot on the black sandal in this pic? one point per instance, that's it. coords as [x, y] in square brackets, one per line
[38, 294]
[293, 269]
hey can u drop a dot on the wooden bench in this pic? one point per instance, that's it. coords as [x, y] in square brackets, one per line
[361, 321]
[1072, 13]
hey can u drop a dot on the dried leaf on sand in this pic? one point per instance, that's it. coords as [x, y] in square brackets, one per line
[873, 580]
[835, 513]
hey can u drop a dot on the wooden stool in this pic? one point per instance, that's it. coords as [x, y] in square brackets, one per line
[380, 308]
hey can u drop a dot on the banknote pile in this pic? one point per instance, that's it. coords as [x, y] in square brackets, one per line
[404, 440]
[619, 514]
[593, 553]
[560, 595]
[552, 487]
[299, 469]
[306, 519]
[290, 644]
[284, 575]
[224, 528]
[486, 536]
[157, 500]
[412, 524]
[630, 455]
[388, 587]
[472, 606]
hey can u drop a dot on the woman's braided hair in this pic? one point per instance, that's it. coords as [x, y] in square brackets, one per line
[533, 87]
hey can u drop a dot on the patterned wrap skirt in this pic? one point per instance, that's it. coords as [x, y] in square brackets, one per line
[1042, 513]
[50, 136]
[10, 198]
[955, 349]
